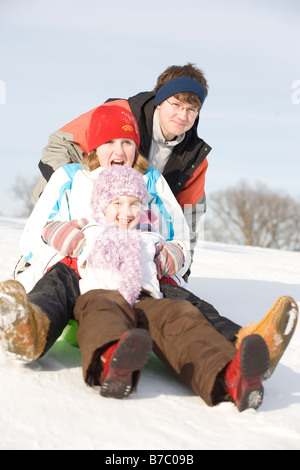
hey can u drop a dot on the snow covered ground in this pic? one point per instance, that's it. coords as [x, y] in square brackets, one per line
[46, 405]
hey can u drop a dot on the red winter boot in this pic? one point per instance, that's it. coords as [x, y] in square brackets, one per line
[121, 360]
[244, 373]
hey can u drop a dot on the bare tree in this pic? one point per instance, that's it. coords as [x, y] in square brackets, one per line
[22, 189]
[255, 216]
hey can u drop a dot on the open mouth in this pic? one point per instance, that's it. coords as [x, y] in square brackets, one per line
[117, 162]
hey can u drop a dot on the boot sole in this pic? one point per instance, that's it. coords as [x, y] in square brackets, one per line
[131, 355]
[277, 329]
[254, 364]
[15, 325]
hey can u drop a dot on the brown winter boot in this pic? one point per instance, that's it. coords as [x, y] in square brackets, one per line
[23, 326]
[276, 328]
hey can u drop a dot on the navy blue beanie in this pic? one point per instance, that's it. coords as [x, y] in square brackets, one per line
[179, 85]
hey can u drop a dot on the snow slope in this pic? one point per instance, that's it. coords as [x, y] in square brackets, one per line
[46, 405]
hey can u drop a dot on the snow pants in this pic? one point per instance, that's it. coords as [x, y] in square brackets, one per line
[182, 337]
[223, 325]
[58, 292]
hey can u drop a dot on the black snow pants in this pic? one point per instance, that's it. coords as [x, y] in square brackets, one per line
[56, 294]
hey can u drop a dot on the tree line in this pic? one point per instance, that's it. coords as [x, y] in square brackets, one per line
[253, 215]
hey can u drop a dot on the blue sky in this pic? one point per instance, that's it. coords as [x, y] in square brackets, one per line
[59, 59]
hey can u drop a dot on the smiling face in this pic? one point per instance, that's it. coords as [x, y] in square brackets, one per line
[125, 212]
[176, 117]
[117, 152]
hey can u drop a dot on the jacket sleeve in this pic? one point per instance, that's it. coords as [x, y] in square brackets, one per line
[172, 224]
[52, 205]
[61, 150]
[192, 200]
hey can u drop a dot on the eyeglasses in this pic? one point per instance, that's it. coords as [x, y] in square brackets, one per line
[191, 112]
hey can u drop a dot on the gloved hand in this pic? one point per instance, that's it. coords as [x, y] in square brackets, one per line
[66, 237]
[169, 258]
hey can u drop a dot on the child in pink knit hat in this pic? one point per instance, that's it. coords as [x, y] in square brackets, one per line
[117, 257]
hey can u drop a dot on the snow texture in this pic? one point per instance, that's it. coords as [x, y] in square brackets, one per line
[46, 404]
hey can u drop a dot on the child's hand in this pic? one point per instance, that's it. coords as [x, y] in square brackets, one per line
[66, 237]
[169, 258]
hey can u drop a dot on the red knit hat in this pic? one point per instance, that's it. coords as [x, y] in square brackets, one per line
[112, 122]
